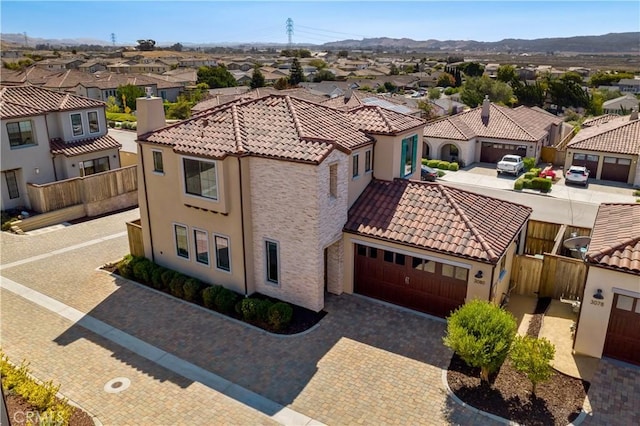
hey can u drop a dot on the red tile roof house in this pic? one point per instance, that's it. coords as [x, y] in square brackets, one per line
[609, 323]
[609, 146]
[49, 136]
[290, 198]
[489, 132]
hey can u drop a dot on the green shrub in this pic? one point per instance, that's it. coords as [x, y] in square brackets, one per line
[125, 268]
[176, 286]
[280, 315]
[156, 277]
[249, 307]
[481, 333]
[444, 165]
[209, 295]
[527, 183]
[529, 163]
[433, 163]
[191, 290]
[226, 300]
[636, 193]
[542, 184]
[536, 171]
[441, 173]
[425, 161]
[518, 184]
[166, 277]
[262, 310]
[529, 175]
[111, 124]
[454, 167]
[142, 269]
[120, 116]
[533, 357]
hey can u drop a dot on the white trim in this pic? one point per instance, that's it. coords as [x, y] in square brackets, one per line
[625, 292]
[89, 122]
[266, 262]
[195, 247]
[412, 254]
[215, 250]
[81, 124]
[175, 241]
[184, 182]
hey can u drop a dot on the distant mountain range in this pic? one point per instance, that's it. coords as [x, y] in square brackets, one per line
[607, 43]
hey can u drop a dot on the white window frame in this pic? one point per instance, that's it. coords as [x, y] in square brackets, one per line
[175, 241]
[22, 145]
[184, 180]
[215, 249]
[89, 122]
[266, 262]
[355, 166]
[195, 247]
[81, 124]
[13, 173]
[368, 161]
[153, 159]
[333, 180]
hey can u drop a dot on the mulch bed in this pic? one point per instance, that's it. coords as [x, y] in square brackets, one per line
[20, 412]
[535, 324]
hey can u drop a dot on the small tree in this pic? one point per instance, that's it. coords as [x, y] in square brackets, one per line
[434, 93]
[257, 79]
[533, 357]
[112, 104]
[296, 75]
[481, 333]
[126, 96]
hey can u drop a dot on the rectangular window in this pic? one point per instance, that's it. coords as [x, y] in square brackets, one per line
[423, 265]
[448, 270]
[333, 180]
[202, 246]
[20, 133]
[158, 167]
[94, 127]
[461, 273]
[362, 250]
[272, 262]
[373, 252]
[456, 272]
[90, 167]
[388, 256]
[367, 161]
[355, 171]
[76, 124]
[182, 241]
[399, 259]
[624, 302]
[200, 178]
[408, 156]
[223, 257]
[12, 184]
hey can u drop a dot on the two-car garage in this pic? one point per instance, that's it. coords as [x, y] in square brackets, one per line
[623, 333]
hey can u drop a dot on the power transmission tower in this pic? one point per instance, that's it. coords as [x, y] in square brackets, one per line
[289, 30]
[26, 41]
[113, 39]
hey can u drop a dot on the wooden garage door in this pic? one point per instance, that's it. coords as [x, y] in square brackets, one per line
[493, 152]
[616, 169]
[423, 285]
[587, 160]
[623, 334]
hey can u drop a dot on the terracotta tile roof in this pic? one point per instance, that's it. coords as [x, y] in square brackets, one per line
[620, 136]
[32, 98]
[85, 146]
[601, 119]
[521, 124]
[615, 238]
[31, 75]
[437, 217]
[220, 99]
[358, 98]
[13, 110]
[281, 127]
[377, 120]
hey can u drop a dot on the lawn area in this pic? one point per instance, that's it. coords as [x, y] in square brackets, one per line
[120, 116]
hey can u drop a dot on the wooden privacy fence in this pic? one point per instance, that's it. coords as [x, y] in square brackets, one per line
[545, 237]
[82, 190]
[548, 276]
[134, 233]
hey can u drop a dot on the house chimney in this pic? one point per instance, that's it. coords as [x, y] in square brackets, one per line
[486, 104]
[150, 113]
[634, 115]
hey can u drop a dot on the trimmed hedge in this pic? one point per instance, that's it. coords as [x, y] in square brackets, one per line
[444, 165]
[226, 300]
[176, 286]
[529, 163]
[280, 315]
[209, 295]
[454, 167]
[538, 183]
[518, 184]
[192, 290]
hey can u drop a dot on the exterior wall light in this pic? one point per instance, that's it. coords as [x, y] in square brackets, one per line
[598, 294]
[478, 274]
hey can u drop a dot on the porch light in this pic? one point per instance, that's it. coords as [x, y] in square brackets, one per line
[478, 274]
[598, 294]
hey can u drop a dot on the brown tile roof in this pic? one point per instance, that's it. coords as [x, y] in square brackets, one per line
[13, 110]
[31, 75]
[85, 146]
[377, 120]
[521, 124]
[220, 99]
[600, 119]
[615, 239]
[281, 127]
[29, 99]
[437, 217]
[620, 136]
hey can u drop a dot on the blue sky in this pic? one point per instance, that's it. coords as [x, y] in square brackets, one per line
[315, 22]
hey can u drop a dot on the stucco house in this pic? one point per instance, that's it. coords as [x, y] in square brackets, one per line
[621, 105]
[609, 322]
[629, 85]
[49, 136]
[609, 147]
[489, 132]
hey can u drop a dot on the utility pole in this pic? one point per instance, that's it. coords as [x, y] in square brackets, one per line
[289, 30]
[26, 42]
[113, 39]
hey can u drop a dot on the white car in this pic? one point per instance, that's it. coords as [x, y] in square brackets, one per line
[511, 164]
[578, 175]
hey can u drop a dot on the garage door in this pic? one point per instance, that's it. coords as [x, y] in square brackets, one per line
[493, 152]
[623, 334]
[616, 169]
[424, 285]
[588, 161]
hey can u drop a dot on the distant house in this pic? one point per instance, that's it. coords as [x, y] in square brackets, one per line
[59, 64]
[629, 85]
[197, 62]
[49, 136]
[92, 66]
[622, 105]
[107, 85]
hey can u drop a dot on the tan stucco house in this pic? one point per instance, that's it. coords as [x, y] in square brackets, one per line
[49, 136]
[609, 322]
[290, 198]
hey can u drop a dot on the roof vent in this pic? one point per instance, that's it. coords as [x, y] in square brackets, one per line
[486, 103]
[634, 115]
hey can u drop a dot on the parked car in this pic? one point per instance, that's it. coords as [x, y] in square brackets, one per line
[511, 164]
[548, 172]
[578, 175]
[427, 173]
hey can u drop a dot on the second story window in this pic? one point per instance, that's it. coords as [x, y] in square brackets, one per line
[94, 127]
[408, 155]
[367, 161]
[158, 166]
[333, 180]
[20, 134]
[355, 165]
[76, 124]
[200, 178]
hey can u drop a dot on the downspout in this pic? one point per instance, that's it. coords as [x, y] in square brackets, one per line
[146, 201]
[244, 250]
[53, 157]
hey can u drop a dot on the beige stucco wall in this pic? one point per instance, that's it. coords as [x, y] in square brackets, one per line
[68, 167]
[476, 288]
[594, 313]
[634, 170]
[128, 158]
[501, 284]
[387, 152]
[359, 183]
[466, 149]
[60, 124]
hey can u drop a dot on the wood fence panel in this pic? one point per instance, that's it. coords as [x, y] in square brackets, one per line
[134, 233]
[548, 154]
[548, 276]
[525, 275]
[540, 237]
[569, 278]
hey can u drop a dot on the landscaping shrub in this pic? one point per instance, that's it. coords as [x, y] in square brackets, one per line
[533, 357]
[518, 184]
[191, 290]
[530, 175]
[111, 124]
[166, 277]
[176, 286]
[527, 183]
[425, 161]
[441, 173]
[156, 277]
[142, 269]
[636, 193]
[249, 307]
[262, 310]
[542, 184]
[125, 269]
[280, 315]
[226, 300]
[209, 295]
[536, 171]
[454, 167]
[444, 165]
[529, 163]
[433, 163]
[481, 333]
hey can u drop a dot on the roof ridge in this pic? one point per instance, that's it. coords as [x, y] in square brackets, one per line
[64, 101]
[235, 118]
[294, 116]
[444, 190]
[458, 129]
[385, 119]
[508, 116]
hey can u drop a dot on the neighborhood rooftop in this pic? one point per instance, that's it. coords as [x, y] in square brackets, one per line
[619, 135]
[22, 101]
[85, 146]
